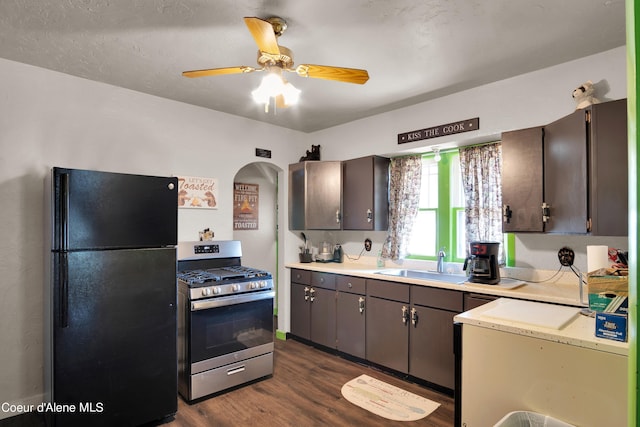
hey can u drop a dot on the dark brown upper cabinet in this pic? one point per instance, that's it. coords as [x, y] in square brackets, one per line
[334, 195]
[365, 193]
[522, 180]
[315, 195]
[570, 176]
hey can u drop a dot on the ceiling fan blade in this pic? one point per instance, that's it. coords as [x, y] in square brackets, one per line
[341, 74]
[263, 34]
[218, 71]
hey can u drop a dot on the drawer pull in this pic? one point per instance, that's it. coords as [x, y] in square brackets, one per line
[235, 370]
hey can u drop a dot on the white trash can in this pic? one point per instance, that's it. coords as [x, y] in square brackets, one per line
[529, 419]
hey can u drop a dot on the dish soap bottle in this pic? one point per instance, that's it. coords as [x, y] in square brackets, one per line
[380, 261]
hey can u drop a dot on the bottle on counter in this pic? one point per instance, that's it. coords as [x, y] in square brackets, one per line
[380, 261]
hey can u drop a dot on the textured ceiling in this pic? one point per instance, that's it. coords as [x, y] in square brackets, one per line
[414, 50]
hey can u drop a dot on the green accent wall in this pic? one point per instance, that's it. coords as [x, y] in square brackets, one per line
[632, 16]
[510, 249]
[443, 233]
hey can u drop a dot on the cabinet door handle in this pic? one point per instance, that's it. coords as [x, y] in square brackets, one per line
[312, 294]
[414, 316]
[306, 293]
[361, 305]
[506, 214]
[338, 216]
[546, 212]
[405, 315]
[369, 215]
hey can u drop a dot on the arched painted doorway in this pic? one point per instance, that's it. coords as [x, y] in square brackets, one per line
[259, 244]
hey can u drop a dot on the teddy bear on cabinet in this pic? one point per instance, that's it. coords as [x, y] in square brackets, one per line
[583, 95]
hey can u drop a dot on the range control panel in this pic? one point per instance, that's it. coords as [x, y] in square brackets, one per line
[207, 249]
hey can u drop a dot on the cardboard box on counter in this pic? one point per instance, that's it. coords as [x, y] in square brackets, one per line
[609, 298]
[608, 294]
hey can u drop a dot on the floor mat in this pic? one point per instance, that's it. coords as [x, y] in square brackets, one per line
[386, 400]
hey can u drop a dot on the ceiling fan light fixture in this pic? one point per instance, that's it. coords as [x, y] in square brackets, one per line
[274, 59]
[273, 86]
[291, 94]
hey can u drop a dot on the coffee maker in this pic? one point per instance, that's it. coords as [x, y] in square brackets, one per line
[482, 263]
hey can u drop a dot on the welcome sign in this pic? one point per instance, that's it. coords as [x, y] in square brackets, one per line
[245, 206]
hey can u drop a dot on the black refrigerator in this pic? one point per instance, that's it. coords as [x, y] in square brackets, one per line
[110, 298]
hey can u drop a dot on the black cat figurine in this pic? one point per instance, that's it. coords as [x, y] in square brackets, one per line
[314, 154]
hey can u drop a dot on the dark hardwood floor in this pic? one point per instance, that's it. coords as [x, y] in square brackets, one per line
[303, 391]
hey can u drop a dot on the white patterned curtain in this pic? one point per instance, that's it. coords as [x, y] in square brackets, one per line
[405, 176]
[481, 168]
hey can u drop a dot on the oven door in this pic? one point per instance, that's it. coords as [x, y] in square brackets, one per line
[228, 329]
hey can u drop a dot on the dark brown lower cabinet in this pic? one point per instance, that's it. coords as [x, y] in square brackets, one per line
[431, 355]
[387, 334]
[388, 324]
[406, 328]
[300, 311]
[410, 329]
[351, 316]
[323, 317]
[313, 310]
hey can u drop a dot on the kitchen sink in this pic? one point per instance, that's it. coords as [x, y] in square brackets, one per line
[425, 275]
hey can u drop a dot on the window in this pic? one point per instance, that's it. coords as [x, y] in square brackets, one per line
[440, 222]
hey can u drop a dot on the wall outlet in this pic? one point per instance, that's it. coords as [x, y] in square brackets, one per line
[566, 256]
[367, 245]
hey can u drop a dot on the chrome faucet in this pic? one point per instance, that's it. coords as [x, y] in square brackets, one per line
[441, 256]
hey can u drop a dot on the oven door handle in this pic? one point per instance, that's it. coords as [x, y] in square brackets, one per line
[235, 299]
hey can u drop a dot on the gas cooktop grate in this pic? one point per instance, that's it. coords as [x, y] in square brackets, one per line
[223, 274]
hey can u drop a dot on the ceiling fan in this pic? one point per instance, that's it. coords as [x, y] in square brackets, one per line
[276, 59]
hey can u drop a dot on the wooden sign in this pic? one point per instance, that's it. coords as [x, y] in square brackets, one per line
[245, 206]
[197, 192]
[437, 131]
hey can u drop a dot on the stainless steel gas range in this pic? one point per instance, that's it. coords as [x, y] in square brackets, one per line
[225, 319]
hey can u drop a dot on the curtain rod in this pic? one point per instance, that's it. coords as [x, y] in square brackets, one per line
[447, 150]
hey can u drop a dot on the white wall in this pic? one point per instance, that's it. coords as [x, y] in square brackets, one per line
[532, 99]
[51, 119]
[48, 119]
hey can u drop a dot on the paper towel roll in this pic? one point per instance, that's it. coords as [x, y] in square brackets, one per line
[597, 257]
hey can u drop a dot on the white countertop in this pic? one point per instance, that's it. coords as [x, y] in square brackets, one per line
[558, 293]
[577, 330]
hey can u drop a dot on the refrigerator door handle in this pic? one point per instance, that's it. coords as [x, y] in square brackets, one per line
[64, 211]
[63, 289]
